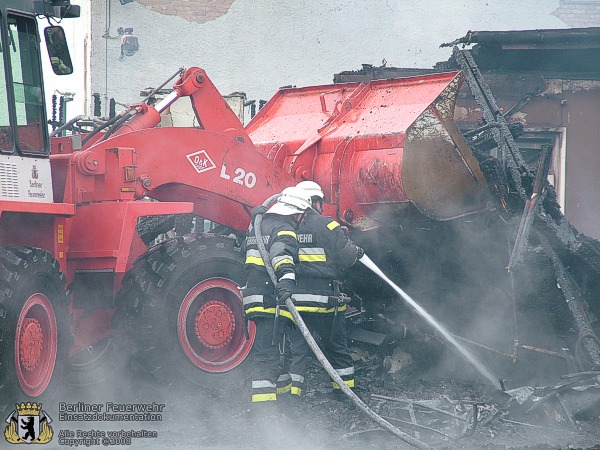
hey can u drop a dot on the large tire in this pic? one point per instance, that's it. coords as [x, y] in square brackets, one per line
[181, 310]
[33, 325]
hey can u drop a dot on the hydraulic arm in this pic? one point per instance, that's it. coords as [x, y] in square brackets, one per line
[214, 166]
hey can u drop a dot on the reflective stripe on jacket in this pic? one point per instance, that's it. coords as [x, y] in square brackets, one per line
[281, 242]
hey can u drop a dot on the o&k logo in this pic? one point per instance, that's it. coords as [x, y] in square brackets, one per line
[201, 161]
[28, 424]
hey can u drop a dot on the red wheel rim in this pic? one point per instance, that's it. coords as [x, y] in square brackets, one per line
[210, 326]
[36, 344]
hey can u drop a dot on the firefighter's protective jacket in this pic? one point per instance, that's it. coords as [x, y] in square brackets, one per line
[280, 239]
[324, 251]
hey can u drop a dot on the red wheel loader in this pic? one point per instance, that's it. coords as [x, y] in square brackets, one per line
[77, 280]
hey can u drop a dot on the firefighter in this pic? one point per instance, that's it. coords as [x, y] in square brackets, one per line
[263, 301]
[324, 252]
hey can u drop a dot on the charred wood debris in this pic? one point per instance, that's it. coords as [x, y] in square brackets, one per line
[525, 199]
[567, 260]
[529, 197]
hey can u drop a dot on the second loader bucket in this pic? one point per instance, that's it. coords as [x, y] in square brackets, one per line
[376, 148]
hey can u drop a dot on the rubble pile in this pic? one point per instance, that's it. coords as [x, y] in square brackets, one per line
[441, 406]
[454, 413]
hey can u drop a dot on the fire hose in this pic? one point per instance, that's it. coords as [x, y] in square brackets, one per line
[319, 354]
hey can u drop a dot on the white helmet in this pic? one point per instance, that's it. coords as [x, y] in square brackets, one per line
[311, 188]
[292, 200]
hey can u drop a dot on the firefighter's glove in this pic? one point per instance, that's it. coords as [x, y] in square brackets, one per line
[360, 252]
[260, 209]
[285, 289]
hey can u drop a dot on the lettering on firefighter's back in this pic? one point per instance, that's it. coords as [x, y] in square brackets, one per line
[304, 238]
[252, 239]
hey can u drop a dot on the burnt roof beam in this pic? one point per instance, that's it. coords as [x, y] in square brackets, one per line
[533, 39]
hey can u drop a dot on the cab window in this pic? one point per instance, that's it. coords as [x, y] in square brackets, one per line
[23, 50]
[6, 138]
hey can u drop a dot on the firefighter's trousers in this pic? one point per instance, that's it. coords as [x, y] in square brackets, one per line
[331, 334]
[266, 367]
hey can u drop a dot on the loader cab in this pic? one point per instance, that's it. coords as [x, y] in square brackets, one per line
[24, 141]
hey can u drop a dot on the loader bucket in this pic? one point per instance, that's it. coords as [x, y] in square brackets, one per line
[376, 147]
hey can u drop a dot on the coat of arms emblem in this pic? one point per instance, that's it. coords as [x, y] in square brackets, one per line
[28, 424]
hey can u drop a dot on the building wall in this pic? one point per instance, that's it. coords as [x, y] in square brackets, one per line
[579, 13]
[200, 11]
[569, 108]
[580, 116]
[256, 46]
